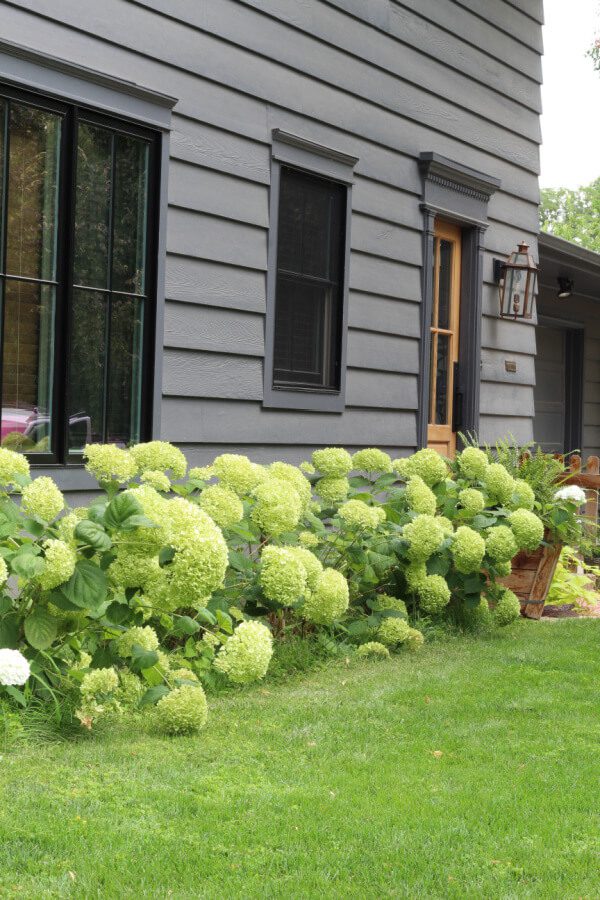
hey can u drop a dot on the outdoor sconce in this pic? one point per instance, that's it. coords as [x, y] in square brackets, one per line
[516, 278]
[565, 287]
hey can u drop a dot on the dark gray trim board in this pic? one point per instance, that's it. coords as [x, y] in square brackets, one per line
[293, 150]
[458, 194]
[574, 333]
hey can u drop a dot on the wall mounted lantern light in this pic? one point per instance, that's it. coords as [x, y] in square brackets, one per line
[565, 287]
[516, 278]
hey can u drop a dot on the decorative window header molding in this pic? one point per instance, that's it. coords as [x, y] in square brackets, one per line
[451, 187]
[305, 154]
[34, 70]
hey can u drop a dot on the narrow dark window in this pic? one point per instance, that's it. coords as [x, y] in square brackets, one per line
[76, 277]
[310, 274]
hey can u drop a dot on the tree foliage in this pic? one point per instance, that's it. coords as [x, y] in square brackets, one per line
[573, 214]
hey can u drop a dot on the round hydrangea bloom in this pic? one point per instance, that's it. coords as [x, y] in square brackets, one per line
[294, 476]
[202, 473]
[60, 564]
[424, 536]
[12, 464]
[246, 655]
[434, 594]
[507, 609]
[66, 525]
[155, 507]
[473, 463]
[414, 575]
[98, 695]
[428, 465]
[332, 490]
[133, 570]
[282, 575]
[499, 483]
[500, 544]
[401, 467]
[372, 460]
[238, 473]
[523, 495]
[373, 648]
[161, 456]
[472, 501]
[131, 690]
[211, 639]
[307, 468]
[222, 505]
[14, 668]
[477, 618]
[392, 631]
[356, 514]
[201, 557]
[503, 568]
[277, 507]
[158, 480]
[182, 711]
[572, 493]
[332, 461]
[107, 462]
[445, 524]
[329, 601]
[308, 539]
[42, 499]
[183, 675]
[527, 528]
[144, 637]
[468, 550]
[419, 497]
[312, 565]
[415, 640]
[384, 601]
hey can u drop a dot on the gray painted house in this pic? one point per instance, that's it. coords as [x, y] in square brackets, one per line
[265, 222]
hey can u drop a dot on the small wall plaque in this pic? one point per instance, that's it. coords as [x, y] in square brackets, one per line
[510, 365]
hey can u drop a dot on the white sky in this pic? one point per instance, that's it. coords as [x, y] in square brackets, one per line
[570, 154]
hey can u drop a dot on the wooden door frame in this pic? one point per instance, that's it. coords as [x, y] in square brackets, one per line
[446, 433]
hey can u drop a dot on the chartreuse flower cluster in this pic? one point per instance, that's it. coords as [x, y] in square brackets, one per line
[277, 506]
[109, 463]
[373, 648]
[468, 550]
[159, 456]
[42, 499]
[60, 560]
[372, 460]
[472, 501]
[183, 710]
[356, 514]
[427, 465]
[507, 609]
[424, 535]
[419, 497]
[329, 600]
[222, 504]
[237, 472]
[334, 462]
[245, 657]
[527, 529]
[473, 463]
[13, 466]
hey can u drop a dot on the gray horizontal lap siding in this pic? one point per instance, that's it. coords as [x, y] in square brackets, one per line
[383, 81]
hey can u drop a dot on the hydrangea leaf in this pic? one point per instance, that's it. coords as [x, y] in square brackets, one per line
[40, 629]
[185, 625]
[121, 508]
[9, 631]
[154, 694]
[142, 659]
[26, 564]
[87, 586]
[93, 534]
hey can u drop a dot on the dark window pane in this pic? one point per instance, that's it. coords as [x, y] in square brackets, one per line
[441, 386]
[302, 339]
[85, 397]
[446, 248]
[3, 114]
[27, 366]
[311, 245]
[125, 370]
[310, 211]
[92, 209]
[33, 174]
[130, 214]
[432, 364]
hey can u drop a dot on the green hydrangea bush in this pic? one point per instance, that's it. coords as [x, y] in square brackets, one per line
[172, 582]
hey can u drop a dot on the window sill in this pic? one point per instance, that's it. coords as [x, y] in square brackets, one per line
[304, 398]
[68, 478]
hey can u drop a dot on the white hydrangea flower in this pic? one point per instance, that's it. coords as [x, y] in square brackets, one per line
[573, 493]
[14, 668]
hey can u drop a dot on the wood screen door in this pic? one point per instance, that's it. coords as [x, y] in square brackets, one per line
[445, 317]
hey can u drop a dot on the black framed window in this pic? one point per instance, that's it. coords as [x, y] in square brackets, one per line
[309, 290]
[77, 277]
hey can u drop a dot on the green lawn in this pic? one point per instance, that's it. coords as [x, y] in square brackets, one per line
[471, 770]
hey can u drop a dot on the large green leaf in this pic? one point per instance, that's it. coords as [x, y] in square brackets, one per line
[41, 629]
[142, 659]
[184, 625]
[26, 564]
[87, 587]
[120, 509]
[154, 694]
[9, 631]
[93, 534]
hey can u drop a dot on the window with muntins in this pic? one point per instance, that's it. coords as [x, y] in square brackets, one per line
[76, 277]
[310, 282]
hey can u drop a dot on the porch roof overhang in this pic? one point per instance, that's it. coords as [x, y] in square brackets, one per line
[560, 258]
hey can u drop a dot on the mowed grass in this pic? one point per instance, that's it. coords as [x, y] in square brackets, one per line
[470, 770]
